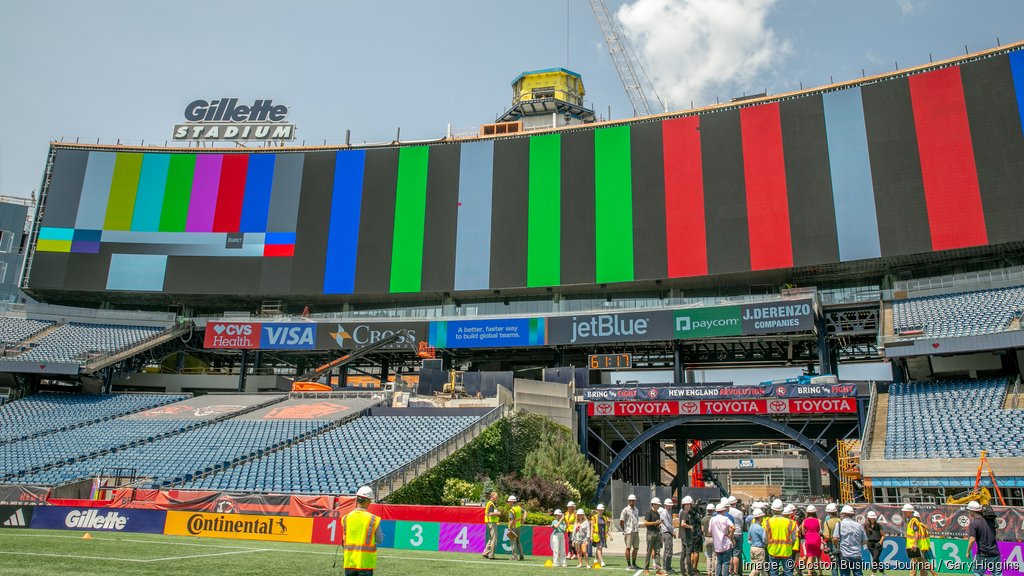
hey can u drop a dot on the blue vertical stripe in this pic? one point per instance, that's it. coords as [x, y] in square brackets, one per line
[149, 198]
[92, 209]
[258, 183]
[343, 236]
[473, 230]
[1017, 66]
[852, 190]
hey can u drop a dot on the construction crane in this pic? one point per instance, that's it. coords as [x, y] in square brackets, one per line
[625, 60]
[980, 493]
[308, 382]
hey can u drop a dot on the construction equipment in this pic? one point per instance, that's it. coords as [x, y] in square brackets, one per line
[309, 382]
[849, 468]
[625, 60]
[980, 493]
[454, 387]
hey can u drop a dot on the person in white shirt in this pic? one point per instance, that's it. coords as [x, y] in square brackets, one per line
[629, 523]
[668, 534]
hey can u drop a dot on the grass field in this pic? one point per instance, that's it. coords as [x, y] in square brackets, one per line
[49, 552]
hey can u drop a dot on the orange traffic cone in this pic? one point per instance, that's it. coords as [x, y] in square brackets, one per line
[86, 536]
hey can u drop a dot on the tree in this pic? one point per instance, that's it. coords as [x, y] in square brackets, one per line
[559, 460]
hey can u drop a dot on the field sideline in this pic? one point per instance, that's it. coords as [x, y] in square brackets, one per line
[48, 552]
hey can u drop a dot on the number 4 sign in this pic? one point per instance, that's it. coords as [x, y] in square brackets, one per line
[462, 538]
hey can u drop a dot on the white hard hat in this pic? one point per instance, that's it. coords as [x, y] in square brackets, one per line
[600, 506]
[908, 507]
[512, 498]
[710, 506]
[687, 500]
[656, 501]
[776, 505]
[721, 507]
[847, 510]
[872, 514]
[757, 505]
[789, 509]
[831, 507]
[558, 512]
[581, 512]
[758, 513]
[917, 514]
[571, 504]
[974, 506]
[668, 502]
[732, 500]
[811, 509]
[365, 492]
[724, 501]
[631, 497]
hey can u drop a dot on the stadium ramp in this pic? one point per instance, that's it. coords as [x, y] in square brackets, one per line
[96, 363]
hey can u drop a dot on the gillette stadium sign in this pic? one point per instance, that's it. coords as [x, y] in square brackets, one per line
[225, 119]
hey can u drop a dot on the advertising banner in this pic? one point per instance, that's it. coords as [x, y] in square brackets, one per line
[708, 322]
[721, 391]
[493, 333]
[238, 335]
[945, 521]
[724, 407]
[16, 516]
[598, 328]
[307, 335]
[350, 335]
[288, 336]
[224, 503]
[462, 538]
[239, 526]
[778, 317]
[23, 494]
[98, 519]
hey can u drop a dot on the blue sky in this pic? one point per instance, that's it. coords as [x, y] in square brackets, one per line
[109, 70]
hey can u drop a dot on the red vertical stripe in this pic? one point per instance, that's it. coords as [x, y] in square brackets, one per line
[951, 192]
[684, 198]
[231, 192]
[764, 171]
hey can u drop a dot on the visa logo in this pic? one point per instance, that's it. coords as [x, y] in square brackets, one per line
[295, 336]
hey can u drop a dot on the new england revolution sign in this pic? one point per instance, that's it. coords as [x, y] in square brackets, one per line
[745, 406]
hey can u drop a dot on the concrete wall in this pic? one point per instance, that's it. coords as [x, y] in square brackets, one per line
[203, 383]
[939, 467]
[966, 364]
[550, 399]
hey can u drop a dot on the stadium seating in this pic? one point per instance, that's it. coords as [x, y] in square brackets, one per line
[50, 412]
[19, 458]
[15, 330]
[341, 460]
[962, 314]
[179, 458]
[952, 419]
[71, 342]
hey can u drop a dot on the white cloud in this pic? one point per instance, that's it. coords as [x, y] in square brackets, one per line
[909, 7]
[699, 49]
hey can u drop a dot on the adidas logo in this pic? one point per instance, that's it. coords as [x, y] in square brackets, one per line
[17, 520]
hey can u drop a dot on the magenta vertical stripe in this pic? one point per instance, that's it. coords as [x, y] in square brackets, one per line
[203, 202]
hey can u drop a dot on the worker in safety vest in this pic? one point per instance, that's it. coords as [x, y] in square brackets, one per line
[780, 541]
[570, 527]
[515, 524]
[360, 533]
[918, 543]
[599, 534]
[491, 518]
[790, 512]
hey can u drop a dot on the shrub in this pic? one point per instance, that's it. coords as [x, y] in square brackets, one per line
[456, 490]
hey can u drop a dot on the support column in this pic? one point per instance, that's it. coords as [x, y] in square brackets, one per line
[824, 357]
[343, 376]
[242, 366]
[179, 362]
[384, 370]
[678, 369]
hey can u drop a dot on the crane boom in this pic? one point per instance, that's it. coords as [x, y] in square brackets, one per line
[619, 50]
[315, 374]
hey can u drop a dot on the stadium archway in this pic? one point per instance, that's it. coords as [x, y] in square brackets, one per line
[790, 434]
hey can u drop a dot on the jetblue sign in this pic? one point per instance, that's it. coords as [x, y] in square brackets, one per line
[99, 519]
[594, 328]
[225, 119]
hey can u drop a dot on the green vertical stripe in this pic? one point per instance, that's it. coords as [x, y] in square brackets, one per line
[123, 186]
[410, 212]
[613, 205]
[178, 192]
[543, 253]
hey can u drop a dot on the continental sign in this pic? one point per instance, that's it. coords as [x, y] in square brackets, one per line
[239, 526]
[746, 407]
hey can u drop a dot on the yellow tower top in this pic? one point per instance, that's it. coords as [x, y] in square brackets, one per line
[548, 98]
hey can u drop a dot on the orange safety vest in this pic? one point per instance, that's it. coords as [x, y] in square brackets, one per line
[359, 528]
[780, 535]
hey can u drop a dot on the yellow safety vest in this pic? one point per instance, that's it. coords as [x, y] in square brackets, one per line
[594, 536]
[359, 528]
[781, 536]
[515, 517]
[488, 510]
[570, 522]
[917, 535]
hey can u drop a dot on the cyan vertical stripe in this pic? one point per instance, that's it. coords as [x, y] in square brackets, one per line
[1017, 66]
[343, 235]
[205, 185]
[149, 199]
[92, 209]
[258, 182]
[473, 236]
[852, 190]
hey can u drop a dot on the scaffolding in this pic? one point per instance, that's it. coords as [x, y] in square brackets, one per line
[849, 468]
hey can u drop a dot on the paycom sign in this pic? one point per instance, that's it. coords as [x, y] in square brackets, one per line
[708, 322]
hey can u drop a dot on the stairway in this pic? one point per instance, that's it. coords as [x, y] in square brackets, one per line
[878, 431]
[98, 363]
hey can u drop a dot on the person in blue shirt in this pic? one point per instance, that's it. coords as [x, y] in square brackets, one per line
[756, 538]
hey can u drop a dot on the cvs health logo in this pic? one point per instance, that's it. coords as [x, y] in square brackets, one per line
[232, 335]
[280, 336]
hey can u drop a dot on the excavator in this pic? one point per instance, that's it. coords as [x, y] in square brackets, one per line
[979, 493]
[309, 382]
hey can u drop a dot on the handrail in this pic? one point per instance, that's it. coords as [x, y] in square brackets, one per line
[869, 427]
[1016, 393]
[385, 485]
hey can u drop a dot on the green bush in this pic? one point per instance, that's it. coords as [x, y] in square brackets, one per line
[456, 490]
[559, 460]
